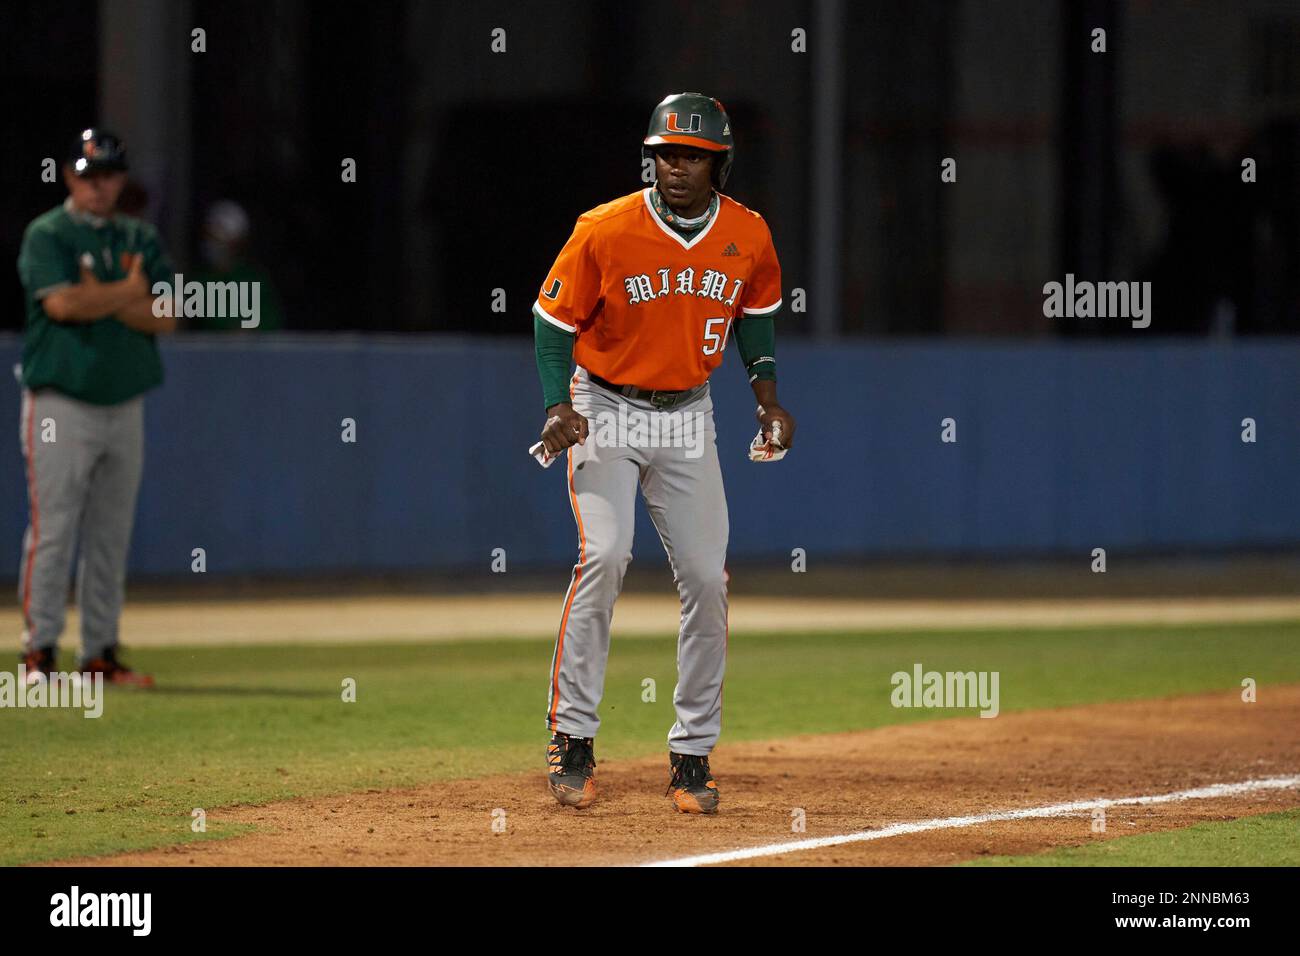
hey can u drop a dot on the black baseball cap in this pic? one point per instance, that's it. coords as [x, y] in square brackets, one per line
[96, 148]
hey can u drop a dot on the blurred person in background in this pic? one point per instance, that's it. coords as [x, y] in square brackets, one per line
[224, 251]
[89, 355]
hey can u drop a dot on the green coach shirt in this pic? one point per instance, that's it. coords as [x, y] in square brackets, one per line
[104, 361]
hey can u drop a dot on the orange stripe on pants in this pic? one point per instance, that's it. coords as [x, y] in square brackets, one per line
[573, 588]
[30, 451]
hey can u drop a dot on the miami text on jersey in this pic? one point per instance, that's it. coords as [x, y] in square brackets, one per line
[712, 285]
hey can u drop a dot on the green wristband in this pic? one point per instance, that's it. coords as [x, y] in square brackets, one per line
[756, 339]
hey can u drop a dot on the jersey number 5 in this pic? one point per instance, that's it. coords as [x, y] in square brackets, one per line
[713, 342]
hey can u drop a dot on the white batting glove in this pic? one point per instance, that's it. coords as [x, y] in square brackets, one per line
[760, 450]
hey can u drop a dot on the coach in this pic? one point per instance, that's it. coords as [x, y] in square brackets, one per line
[89, 356]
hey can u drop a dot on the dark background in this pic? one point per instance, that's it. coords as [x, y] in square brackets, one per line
[473, 165]
[924, 299]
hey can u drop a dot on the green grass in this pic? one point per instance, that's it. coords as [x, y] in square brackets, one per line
[1271, 839]
[251, 725]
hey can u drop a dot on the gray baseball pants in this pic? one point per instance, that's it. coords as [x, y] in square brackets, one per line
[83, 471]
[672, 454]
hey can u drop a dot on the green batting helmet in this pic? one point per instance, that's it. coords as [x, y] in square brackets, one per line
[693, 119]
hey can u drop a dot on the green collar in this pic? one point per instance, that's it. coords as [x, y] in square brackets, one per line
[671, 218]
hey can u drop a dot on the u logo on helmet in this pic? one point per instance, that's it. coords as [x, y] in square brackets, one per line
[694, 127]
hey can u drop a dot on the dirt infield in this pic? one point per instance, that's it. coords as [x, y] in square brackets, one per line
[842, 783]
[459, 617]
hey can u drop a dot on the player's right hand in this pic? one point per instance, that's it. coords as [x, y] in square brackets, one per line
[563, 428]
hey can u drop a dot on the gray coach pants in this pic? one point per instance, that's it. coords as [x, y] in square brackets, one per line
[673, 455]
[83, 472]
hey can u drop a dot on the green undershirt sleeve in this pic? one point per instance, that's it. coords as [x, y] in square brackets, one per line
[554, 348]
[756, 339]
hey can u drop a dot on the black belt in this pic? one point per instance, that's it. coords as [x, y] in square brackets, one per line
[657, 397]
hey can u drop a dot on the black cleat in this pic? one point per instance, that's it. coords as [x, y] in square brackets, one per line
[115, 672]
[572, 774]
[692, 787]
[39, 663]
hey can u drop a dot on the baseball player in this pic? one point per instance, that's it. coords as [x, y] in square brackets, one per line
[89, 356]
[643, 299]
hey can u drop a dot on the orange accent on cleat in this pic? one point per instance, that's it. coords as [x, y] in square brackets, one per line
[692, 787]
[571, 797]
[116, 673]
[572, 766]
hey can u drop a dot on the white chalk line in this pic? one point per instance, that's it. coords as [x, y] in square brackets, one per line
[951, 823]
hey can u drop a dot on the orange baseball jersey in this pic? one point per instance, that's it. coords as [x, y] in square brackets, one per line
[650, 308]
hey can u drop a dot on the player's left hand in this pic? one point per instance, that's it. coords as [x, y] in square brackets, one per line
[136, 278]
[772, 412]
